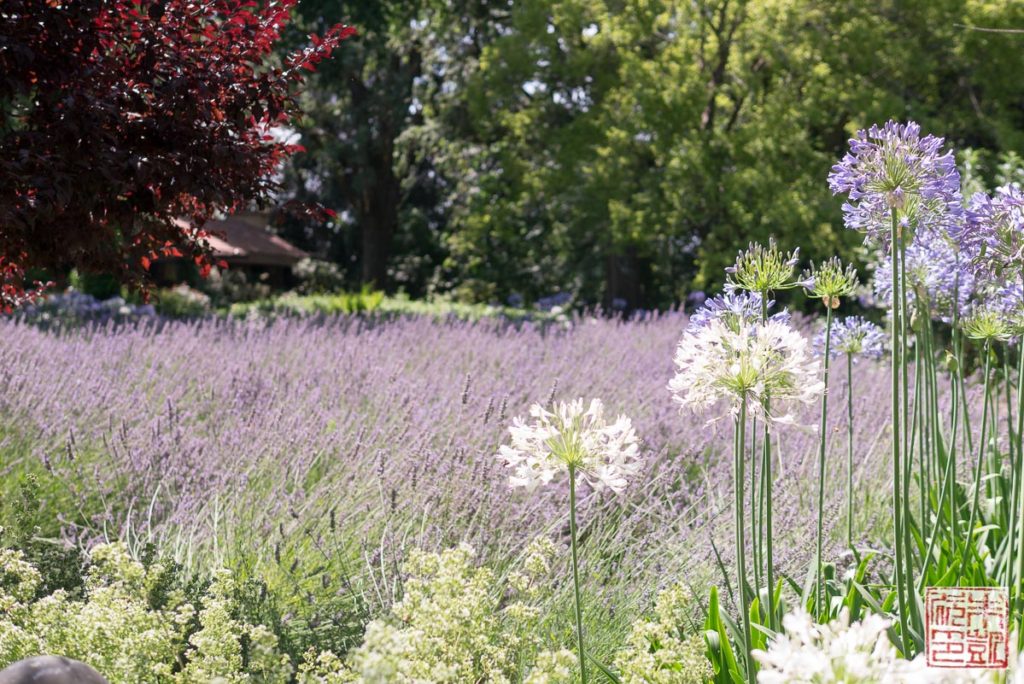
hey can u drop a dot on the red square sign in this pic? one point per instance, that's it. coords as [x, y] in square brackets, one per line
[967, 627]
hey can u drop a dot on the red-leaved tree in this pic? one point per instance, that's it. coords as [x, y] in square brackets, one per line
[118, 116]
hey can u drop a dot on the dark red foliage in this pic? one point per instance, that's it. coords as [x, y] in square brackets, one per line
[118, 116]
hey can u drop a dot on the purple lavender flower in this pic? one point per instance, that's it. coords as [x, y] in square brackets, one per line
[996, 232]
[936, 269]
[736, 309]
[894, 168]
[853, 335]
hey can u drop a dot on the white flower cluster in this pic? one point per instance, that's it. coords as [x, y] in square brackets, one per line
[858, 653]
[662, 651]
[572, 436]
[744, 363]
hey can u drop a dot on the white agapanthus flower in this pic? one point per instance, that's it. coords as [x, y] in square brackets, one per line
[836, 652]
[572, 436]
[859, 653]
[717, 362]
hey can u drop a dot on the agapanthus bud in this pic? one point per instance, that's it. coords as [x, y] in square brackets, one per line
[986, 325]
[763, 269]
[830, 280]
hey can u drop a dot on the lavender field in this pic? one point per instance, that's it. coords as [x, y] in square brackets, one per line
[318, 454]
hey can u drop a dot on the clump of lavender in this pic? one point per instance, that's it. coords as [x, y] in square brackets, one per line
[894, 169]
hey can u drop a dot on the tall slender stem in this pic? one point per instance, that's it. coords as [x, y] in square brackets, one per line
[849, 450]
[766, 496]
[576, 573]
[980, 465]
[1017, 450]
[897, 468]
[741, 546]
[819, 589]
[907, 520]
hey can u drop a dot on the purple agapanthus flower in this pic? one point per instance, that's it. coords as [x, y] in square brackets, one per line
[995, 233]
[852, 335]
[895, 168]
[935, 267]
[1008, 300]
[736, 309]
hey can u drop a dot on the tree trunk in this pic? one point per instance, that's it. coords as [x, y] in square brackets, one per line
[623, 288]
[378, 223]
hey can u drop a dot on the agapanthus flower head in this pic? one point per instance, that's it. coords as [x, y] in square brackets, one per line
[716, 362]
[986, 324]
[830, 281]
[858, 653]
[1009, 302]
[734, 309]
[763, 269]
[572, 436]
[936, 270]
[996, 232]
[852, 335]
[894, 168]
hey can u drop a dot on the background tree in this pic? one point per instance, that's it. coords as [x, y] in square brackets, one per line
[119, 116]
[621, 151]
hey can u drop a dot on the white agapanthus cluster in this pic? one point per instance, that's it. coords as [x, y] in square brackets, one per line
[573, 436]
[718, 362]
[858, 653]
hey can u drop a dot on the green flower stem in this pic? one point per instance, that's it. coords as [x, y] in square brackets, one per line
[908, 556]
[1017, 451]
[756, 508]
[849, 450]
[897, 468]
[766, 478]
[819, 589]
[980, 465]
[576, 573]
[741, 546]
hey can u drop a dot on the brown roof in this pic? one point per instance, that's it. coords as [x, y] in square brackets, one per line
[244, 239]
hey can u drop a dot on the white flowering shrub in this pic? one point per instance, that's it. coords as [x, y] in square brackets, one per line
[660, 650]
[216, 651]
[117, 630]
[451, 626]
[114, 629]
[553, 667]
